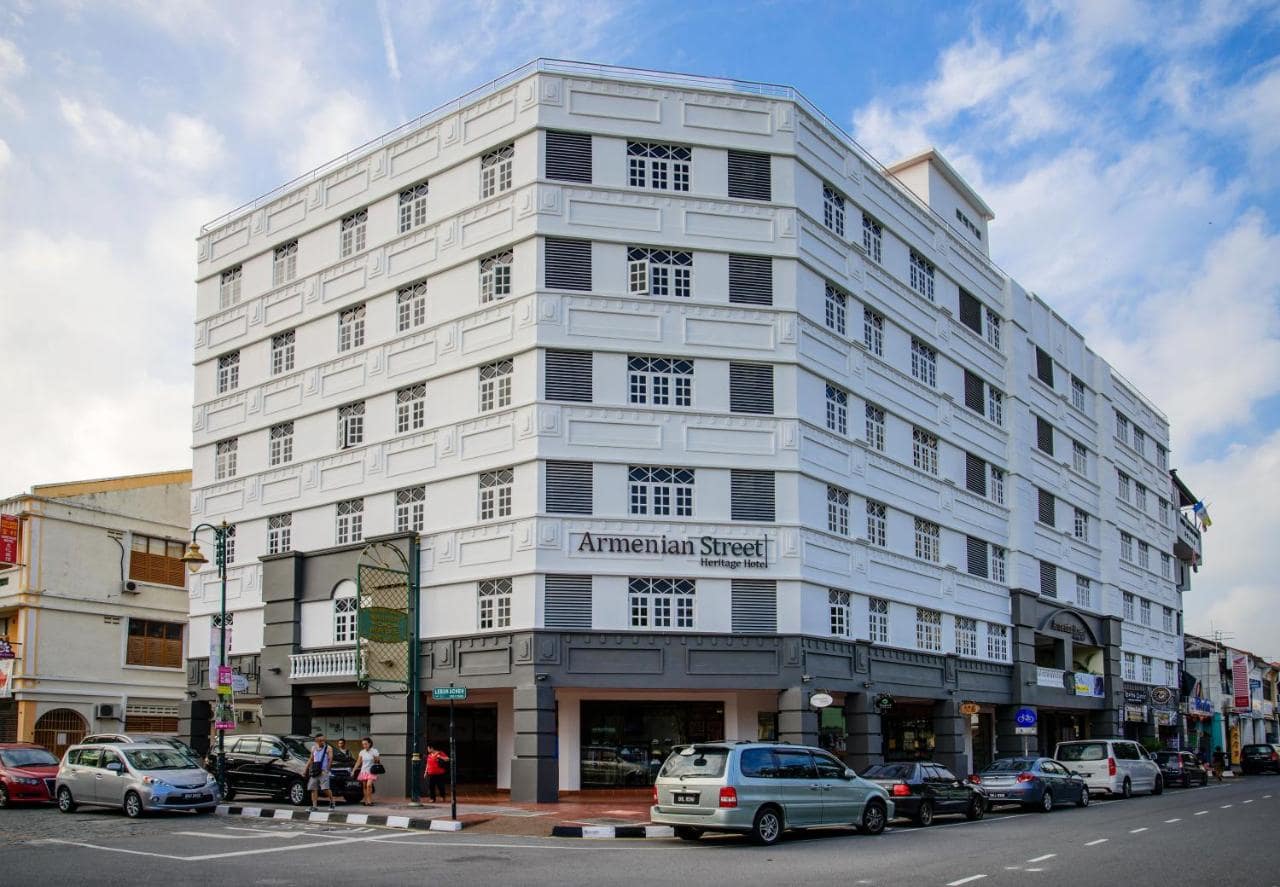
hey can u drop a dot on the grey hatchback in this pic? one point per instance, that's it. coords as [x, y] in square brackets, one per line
[762, 788]
[134, 777]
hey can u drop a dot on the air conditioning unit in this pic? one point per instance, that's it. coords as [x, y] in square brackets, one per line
[129, 586]
[108, 712]
[245, 716]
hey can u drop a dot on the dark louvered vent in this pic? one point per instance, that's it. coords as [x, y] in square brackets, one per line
[751, 280]
[970, 312]
[975, 474]
[751, 495]
[569, 156]
[567, 603]
[751, 388]
[750, 176]
[1044, 436]
[973, 388]
[1044, 367]
[754, 605]
[1046, 507]
[977, 550]
[1048, 579]
[568, 264]
[568, 487]
[569, 376]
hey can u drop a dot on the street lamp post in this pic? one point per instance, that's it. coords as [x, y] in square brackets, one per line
[194, 560]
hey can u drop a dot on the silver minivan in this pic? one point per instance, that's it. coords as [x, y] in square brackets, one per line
[1116, 766]
[761, 789]
[135, 777]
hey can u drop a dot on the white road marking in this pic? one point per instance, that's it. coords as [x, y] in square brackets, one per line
[209, 856]
[1266, 796]
[1043, 858]
[1250, 801]
[1099, 841]
[1225, 806]
[1035, 870]
[965, 880]
[1201, 812]
[255, 834]
[1175, 819]
[1134, 831]
[595, 847]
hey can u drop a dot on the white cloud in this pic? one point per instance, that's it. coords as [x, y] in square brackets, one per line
[332, 128]
[5, 154]
[13, 65]
[184, 146]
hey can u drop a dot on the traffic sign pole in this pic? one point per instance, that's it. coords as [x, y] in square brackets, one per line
[453, 767]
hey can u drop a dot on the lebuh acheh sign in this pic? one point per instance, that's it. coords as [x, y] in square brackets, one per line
[711, 551]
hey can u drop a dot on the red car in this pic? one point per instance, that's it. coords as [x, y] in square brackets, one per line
[27, 773]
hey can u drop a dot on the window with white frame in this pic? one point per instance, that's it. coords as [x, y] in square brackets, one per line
[1130, 606]
[1166, 566]
[411, 306]
[873, 331]
[351, 328]
[1079, 457]
[878, 620]
[282, 345]
[1168, 620]
[999, 559]
[838, 610]
[835, 309]
[660, 602]
[1082, 525]
[495, 493]
[493, 599]
[872, 237]
[229, 288]
[229, 546]
[927, 540]
[1124, 488]
[413, 207]
[280, 444]
[1170, 675]
[995, 486]
[350, 521]
[837, 510]
[229, 372]
[284, 263]
[922, 275]
[351, 236]
[997, 642]
[1140, 498]
[1084, 592]
[659, 490]
[351, 425]
[966, 636]
[661, 167]
[411, 505]
[928, 630]
[1139, 441]
[495, 385]
[1122, 426]
[1126, 548]
[833, 210]
[345, 616]
[1146, 669]
[1162, 511]
[659, 272]
[924, 363]
[1130, 666]
[1077, 394]
[495, 276]
[411, 408]
[837, 410]
[224, 460]
[661, 381]
[995, 406]
[924, 450]
[1144, 555]
[279, 533]
[993, 329]
[876, 523]
[495, 171]
[1144, 612]
[875, 427]
[1162, 457]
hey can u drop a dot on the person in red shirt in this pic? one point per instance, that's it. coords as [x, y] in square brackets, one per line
[437, 770]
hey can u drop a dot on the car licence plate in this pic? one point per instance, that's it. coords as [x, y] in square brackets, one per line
[191, 796]
[996, 795]
[685, 799]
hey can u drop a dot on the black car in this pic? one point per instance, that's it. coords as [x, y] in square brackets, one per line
[922, 789]
[1181, 768]
[1260, 759]
[264, 764]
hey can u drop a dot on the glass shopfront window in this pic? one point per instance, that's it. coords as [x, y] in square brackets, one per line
[907, 732]
[625, 743]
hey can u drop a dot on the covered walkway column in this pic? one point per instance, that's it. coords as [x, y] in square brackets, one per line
[535, 768]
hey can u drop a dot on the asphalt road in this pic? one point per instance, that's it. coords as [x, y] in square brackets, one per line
[1221, 834]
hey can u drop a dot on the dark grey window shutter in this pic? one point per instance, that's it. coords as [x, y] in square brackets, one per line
[751, 280]
[1044, 367]
[751, 495]
[1044, 435]
[754, 605]
[750, 175]
[569, 156]
[569, 376]
[569, 487]
[1048, 579]
[975, 474]
[977, 550]
[973, 393]
[1046, 508]
[751, 388]
[970, 312]
[567, 603]
[568, 264]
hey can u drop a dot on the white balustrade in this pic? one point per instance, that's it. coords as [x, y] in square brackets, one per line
[323, 664]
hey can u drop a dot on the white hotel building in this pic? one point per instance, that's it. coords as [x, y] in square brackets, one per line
[693, 410]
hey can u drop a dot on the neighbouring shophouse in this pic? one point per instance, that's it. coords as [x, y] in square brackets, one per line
[1238, 689]
[93, 608]
[688, 409]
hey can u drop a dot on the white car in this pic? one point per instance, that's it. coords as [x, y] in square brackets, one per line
[1116, 766]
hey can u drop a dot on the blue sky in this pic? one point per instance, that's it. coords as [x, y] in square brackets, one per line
[1128, 150]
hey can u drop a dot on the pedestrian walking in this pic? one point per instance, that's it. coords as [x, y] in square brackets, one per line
[341, 755]
[368, 767]
[319, 766]
[1219, 763]
[437, 770]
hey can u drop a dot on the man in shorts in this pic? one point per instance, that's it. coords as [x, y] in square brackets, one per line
[318, 767]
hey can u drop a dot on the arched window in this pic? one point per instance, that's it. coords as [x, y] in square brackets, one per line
[344, 613]
[59, 729]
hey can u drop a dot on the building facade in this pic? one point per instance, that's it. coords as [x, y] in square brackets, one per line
[93, 609]
[688, 409]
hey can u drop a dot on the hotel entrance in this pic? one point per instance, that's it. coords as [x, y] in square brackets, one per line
[625, 743]
[475, 729]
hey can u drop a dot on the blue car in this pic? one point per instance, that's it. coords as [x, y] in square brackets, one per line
[1035, 783]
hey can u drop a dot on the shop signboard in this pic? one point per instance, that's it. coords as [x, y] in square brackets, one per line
[1135, 695]
[6, 649]
[1135, 714]
[1240, 682]
[1050, 677]
[215, 654]
[6, 678]
[969, 708]
[1093, 686]
[10, 539]
[1161, 696]
[711, 551]
[884, 702]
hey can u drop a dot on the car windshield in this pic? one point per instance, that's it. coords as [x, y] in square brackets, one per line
[300, 747]
[1011, 765]
[1257, 748]
[696, 761]
[890, 771]
[26, 757]
[1082, 751]
[1165, 757]
[159, 758]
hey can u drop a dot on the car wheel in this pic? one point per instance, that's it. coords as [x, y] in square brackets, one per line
[1126, 790]
[133, 805]
[66, 803]
[1158, 788]
[1084, 797]
[873, 817]
[4, 795]
[229, 794]
[977, 809]
[688, 833]
[297, 793]
[766, 829]
[1046, 802]
[924, 816]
